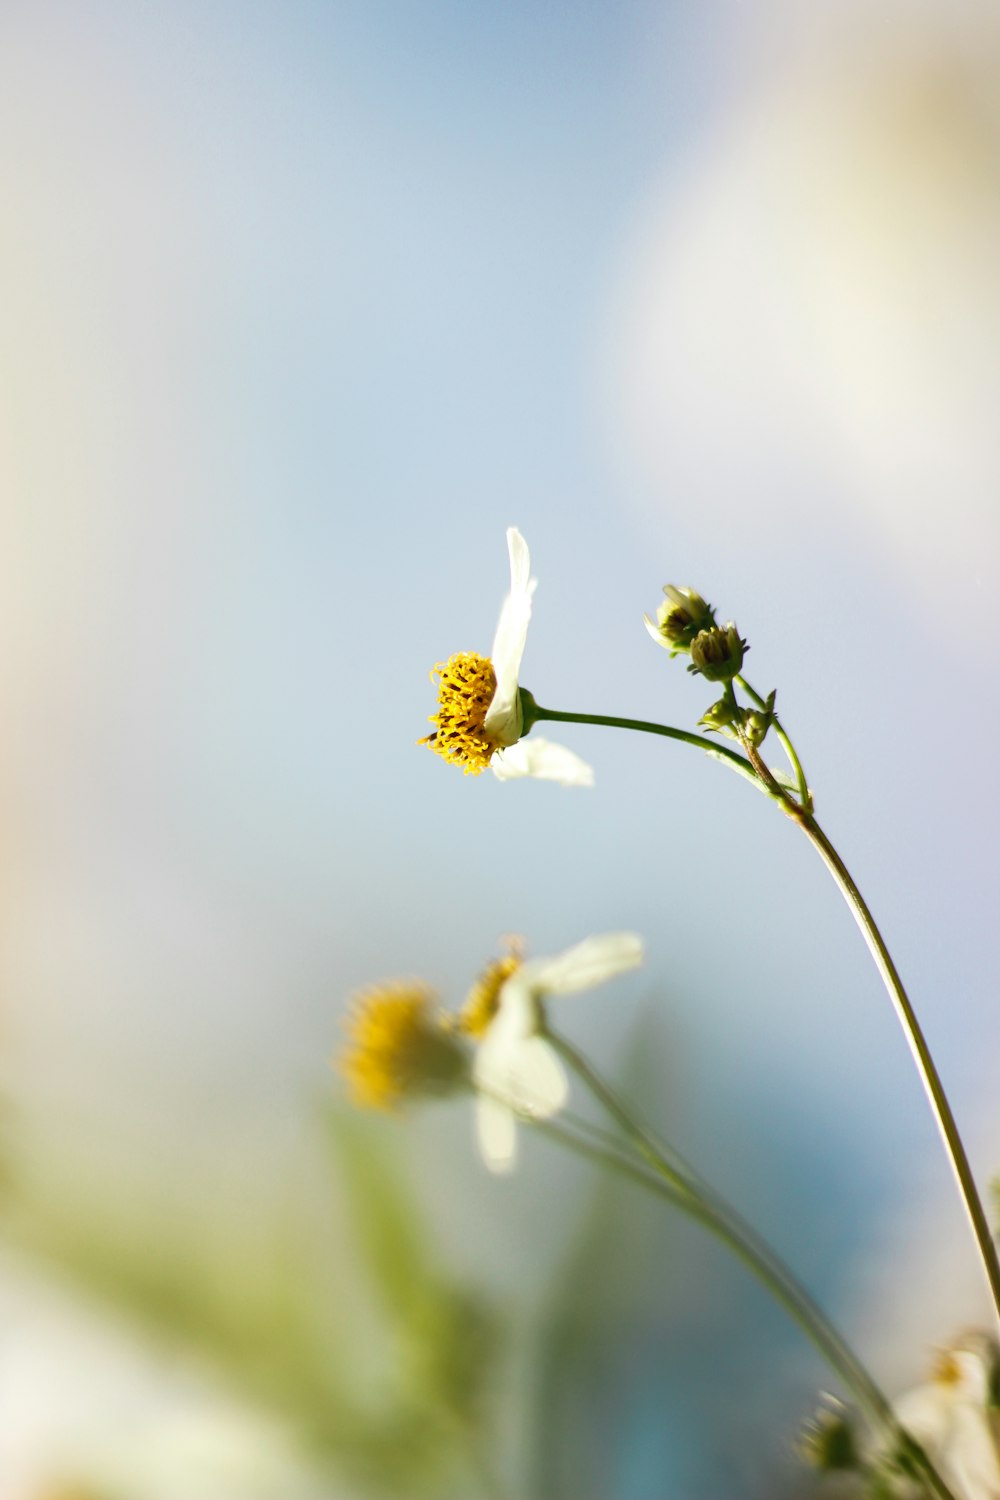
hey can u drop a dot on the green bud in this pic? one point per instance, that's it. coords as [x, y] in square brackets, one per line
[717, 653]
[755, 726]
[828, 1442]
[757, 721]
[721, 717]
[679, 618]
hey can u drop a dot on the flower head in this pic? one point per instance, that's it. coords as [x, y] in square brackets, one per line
[480, 717]
[516, 1069]
[717, 653]
[956, 1419]
[398, 1046]
[829, 1441]
[679, 618]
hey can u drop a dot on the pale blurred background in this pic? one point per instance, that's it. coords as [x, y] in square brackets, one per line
[301, 306]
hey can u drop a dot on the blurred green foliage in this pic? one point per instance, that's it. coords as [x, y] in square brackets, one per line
[379, 1361]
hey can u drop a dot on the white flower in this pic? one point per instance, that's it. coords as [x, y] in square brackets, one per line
[518, 1071]
[479, 721]
[955, 1420]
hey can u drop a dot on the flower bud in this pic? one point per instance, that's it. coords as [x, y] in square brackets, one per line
[757, 721]
[721, 717]
[679, 618]
[755, 725]
[717, 653]
[828, 1442]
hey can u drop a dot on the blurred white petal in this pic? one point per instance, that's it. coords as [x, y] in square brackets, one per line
[580, 968]
[525, 1074]
[497, 1134]
[517, 1069]
[543, 760]
[969, 1458]
[926, 1412]
[954, 1421]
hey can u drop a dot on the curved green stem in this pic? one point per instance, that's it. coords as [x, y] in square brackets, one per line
[677, 1183]
[919, 1049]
[721, 753]
[756, 772]
[750, 691]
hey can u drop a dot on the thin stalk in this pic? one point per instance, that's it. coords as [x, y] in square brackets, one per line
[667, 1163]
[793, 759]
[755, 771]
[919, 1049]
[714, 1215]
[722, 753]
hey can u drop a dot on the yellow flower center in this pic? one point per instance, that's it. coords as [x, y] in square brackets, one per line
[466, 685]
[946, 1369]
[397, 1045]
[482, 1001]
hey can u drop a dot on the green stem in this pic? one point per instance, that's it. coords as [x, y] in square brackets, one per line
[755, 771]
[793, 759]
[906, 1015]
[722, 753]
[714, 1214]
[750, 692]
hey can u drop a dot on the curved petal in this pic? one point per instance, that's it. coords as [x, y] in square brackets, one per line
[497, 1134]
[539, 1078]
[580, 968]
[503, 717]
[926, 1413]
[543, 760]
[524, 1074]
[516, 1019]
[653, 629]
[520, 561]
[968, 1456]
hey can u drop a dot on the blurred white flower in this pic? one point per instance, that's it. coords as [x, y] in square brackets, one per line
[480, 720]
[956, 1420]
[516, 1069]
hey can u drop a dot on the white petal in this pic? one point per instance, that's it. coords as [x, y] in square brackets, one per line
[540, 1085]
[926, 1413]
[653, 629]
[520, 561]
[580, 968]
[495, 1062]
[516, 1019]
[968, 1458]
[497, 1134]
[523, 1073]
[543, 760]
[503, 717]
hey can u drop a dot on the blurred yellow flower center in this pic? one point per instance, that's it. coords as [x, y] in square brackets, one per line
[395, 1044]
[946, 1369]
[483, 999]
[466, 685]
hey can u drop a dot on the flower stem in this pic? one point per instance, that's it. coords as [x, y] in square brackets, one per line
[677, 1184]
[793, 760]
[919, 1049]
[755, 771]
[721, 753]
